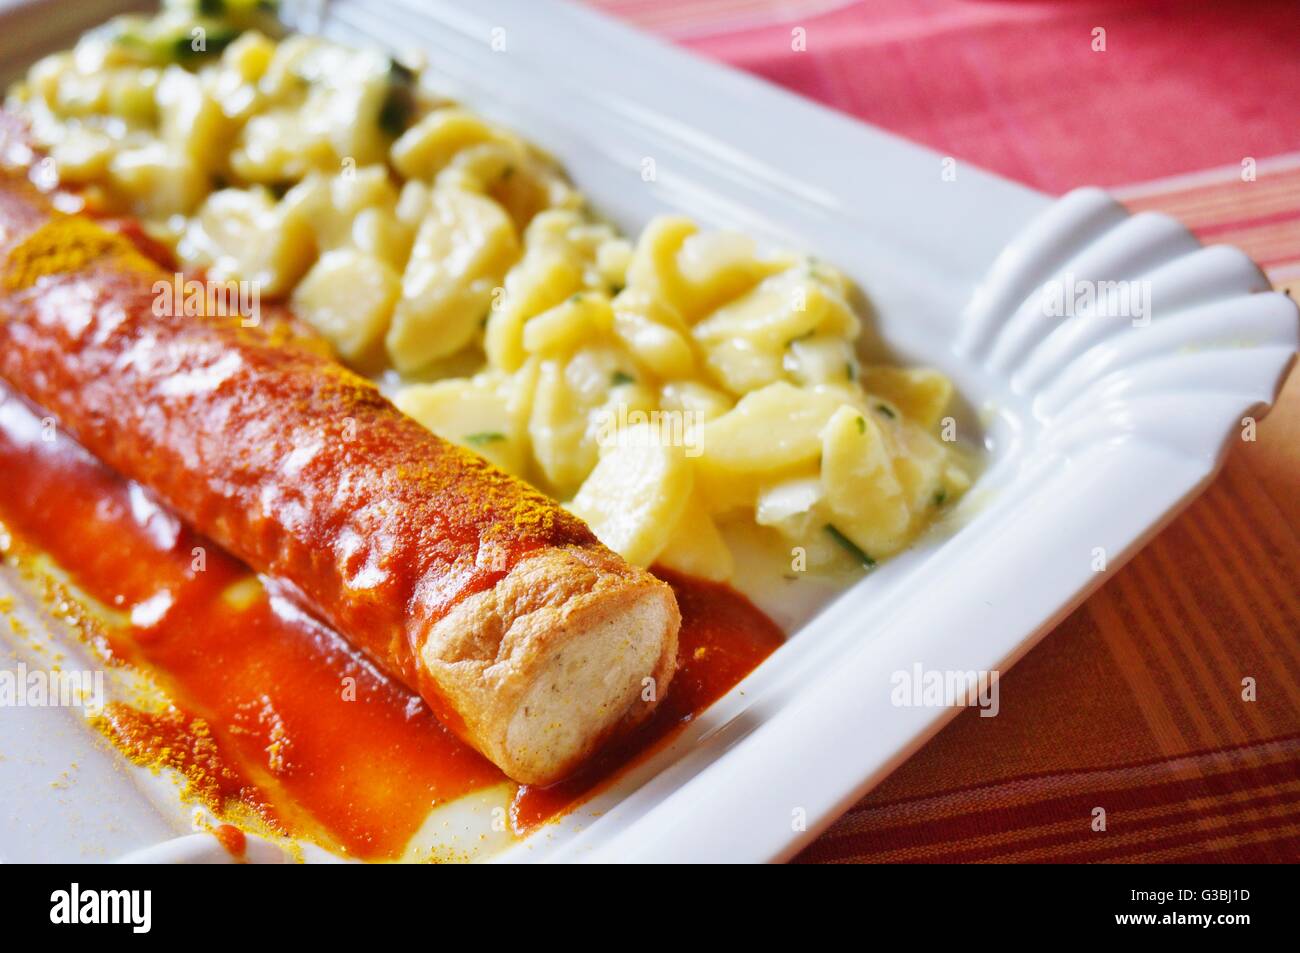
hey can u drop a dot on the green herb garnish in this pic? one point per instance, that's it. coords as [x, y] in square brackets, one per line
[621, 377]
[399, 103]
[214, 41]
[886, 410]
[399, 72]
[486, 437]
[850, 547]
[940, 497]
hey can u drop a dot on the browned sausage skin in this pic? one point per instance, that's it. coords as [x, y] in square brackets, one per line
[526, 635]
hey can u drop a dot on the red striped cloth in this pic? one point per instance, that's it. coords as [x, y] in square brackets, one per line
[1134, 705]
[1259, 216]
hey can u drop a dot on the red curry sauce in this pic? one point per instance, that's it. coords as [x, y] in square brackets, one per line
[274, 717]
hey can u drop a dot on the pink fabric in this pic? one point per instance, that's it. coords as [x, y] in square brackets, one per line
[1017, 87]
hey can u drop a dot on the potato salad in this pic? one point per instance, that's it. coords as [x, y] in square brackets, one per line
[665, 388]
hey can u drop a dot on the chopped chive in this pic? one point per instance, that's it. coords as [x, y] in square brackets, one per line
[399, 104]
[214, 41]
[886, 410]
[395, 115]
[940, 497]
[399, 72]
[862, 424]
[487, 436]
[850, 371]
[850, 547]
[621, 377]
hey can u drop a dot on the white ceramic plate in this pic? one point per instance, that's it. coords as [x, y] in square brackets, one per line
[1096, 430]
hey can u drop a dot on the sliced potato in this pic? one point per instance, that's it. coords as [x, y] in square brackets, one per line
[333, 203]
[613, 256]
[351, 111]
[771, 429]
[575, 321]
[956, 481]
[920, 462]
[702, 402]
[822, 359]
[694, 273]
[780, 309]
[788, 504]
[866, 503]
[245, 234]
[793, 507]
[190, 119]
[635, 497]
[413, 203]
[378, 232]
[274, 147]
[696, 547]
[522, 182]
[564, 450]
[741, 366]
[629, 403]
[156, 181]
[719, 266]
[653, 268]
[76, 93]
[654, 334]
[540, 281]
[461, 252]
[431, 143]
[348, 296]
[249, 56]
[471, 413]
[921, 393]
[82, 155]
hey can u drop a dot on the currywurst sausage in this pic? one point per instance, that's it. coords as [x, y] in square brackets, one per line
[526, 636]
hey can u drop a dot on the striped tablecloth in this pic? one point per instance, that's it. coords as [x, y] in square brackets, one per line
[1134, 704]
